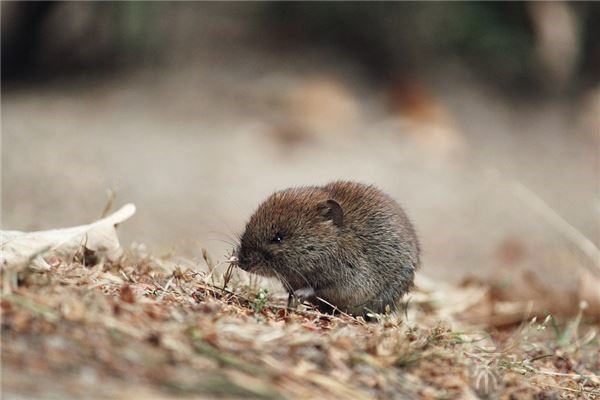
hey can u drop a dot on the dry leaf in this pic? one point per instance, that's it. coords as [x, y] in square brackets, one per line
[19, 248]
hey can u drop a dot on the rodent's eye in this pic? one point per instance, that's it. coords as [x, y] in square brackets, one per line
[278, 238]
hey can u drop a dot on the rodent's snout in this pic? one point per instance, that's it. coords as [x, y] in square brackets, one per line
[242, 259]
[251, 260]
[236, 258]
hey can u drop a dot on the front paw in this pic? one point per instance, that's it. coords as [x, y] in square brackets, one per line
[300, 296]
[304, 294]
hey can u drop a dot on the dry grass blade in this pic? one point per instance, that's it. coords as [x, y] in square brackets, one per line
[585, 245]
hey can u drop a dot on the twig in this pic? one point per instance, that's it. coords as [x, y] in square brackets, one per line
[165, 289]
[594, 378]
[341, 312]
[580, 390]
[211, 265]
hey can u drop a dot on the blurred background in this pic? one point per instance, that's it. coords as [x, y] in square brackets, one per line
[481, 119]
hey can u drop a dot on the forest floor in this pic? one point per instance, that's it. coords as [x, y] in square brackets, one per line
[503, 190]
[166, 327]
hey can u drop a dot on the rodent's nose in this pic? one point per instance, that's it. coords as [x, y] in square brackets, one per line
[242, 264]
[243, 261]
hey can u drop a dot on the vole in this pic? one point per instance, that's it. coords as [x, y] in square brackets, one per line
[345, 244]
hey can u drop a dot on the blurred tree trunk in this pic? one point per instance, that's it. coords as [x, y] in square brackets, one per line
[21, 29]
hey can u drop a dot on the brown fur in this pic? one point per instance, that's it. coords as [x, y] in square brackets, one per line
[347, 243]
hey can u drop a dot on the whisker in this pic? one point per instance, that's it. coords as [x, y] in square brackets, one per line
[284, 281]
[300, 274]
[286, 285]
[232, 237]
[233, 244]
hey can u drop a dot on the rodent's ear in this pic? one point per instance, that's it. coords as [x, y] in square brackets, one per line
[332, 210]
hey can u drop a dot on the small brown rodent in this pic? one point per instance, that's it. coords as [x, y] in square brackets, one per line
[346, 243]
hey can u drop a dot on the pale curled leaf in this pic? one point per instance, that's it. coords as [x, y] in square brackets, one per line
[18, 248]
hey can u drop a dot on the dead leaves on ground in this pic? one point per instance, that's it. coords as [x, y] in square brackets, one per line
[169, 329]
